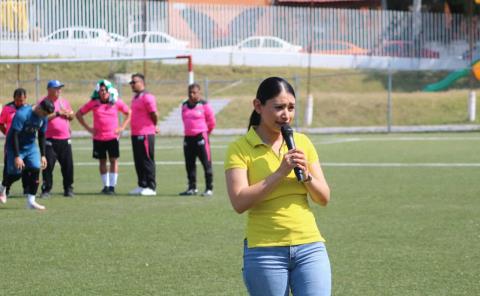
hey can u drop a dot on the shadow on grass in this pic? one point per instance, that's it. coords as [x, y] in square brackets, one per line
[8, 208]
[99, 194]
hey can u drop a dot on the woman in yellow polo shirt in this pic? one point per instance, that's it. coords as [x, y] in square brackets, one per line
[284, 250]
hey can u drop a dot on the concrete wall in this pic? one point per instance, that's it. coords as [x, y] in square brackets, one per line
[224, 58]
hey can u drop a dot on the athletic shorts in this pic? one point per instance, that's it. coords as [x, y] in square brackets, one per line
[100, 149]
[30, 156]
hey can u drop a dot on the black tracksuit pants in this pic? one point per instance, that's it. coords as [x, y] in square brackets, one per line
[144, 158]
[6, 176]
[60, 150]
[193, 147]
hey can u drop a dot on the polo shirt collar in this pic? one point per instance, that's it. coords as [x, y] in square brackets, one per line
[138, 95]
[253, 139]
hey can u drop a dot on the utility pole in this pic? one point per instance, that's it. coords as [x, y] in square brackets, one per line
[308, 118]
[384, 5]
[144, 29]
[417, 26]
[17, 32]
[472, 96]
[417, 5]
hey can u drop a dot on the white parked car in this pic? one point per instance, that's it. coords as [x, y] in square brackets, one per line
[79, 35]
[262, 44]
[114, 37]
[153, 39]
[149, 43]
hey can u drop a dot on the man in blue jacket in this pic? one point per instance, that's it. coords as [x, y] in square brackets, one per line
[23, 156]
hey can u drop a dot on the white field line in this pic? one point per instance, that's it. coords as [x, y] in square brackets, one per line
[170, 147]
[422, 139]
[394, 139]
[321, 142]
[400, 165]
[337, 141]
[326, 164]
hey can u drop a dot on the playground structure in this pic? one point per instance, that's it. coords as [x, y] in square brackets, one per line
[454, 76]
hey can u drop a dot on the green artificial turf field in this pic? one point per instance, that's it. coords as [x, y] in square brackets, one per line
[403, 220]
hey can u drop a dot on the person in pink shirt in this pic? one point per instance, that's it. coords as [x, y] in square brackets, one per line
[6, 118]
[143, 128]
[9, 110]
[106, 131]
[58, 143]
[198, 122]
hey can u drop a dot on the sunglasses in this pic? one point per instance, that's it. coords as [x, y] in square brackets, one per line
[133, 82]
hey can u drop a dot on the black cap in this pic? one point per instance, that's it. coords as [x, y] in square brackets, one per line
[47, 106]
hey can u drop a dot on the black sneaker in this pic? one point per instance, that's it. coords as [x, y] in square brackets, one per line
[111, 190]
[68, 193]
[45, 194]
[189, 192]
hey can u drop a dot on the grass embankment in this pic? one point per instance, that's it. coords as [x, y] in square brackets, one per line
[341, 97]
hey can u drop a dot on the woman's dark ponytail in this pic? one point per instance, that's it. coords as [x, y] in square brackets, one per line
[254, 119]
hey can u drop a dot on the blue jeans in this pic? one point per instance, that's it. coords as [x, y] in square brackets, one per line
[305, 269]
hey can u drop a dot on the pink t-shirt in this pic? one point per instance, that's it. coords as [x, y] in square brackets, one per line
[6, 117]
[59, 127]
[105, 118]
[197, 119]
[142, 105]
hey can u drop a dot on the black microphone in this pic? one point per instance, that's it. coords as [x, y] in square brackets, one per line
[287, 134]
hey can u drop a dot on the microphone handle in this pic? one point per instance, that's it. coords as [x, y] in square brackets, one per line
[291, 145]
[299, 174]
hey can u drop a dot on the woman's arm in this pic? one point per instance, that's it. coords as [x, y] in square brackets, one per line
[244, 196]
[318, 187]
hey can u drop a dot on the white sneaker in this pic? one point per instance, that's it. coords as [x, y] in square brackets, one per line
[207, 193]
[148, 192]
[3, 194]
[33, 205]
[136, 191]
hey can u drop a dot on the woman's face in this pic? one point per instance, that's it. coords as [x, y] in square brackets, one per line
[276, 111]
[103, 93]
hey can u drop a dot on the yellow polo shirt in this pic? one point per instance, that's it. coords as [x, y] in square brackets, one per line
[284, 217]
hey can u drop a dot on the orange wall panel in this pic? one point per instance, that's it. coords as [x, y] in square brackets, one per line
[196, 22]
[231, 2]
